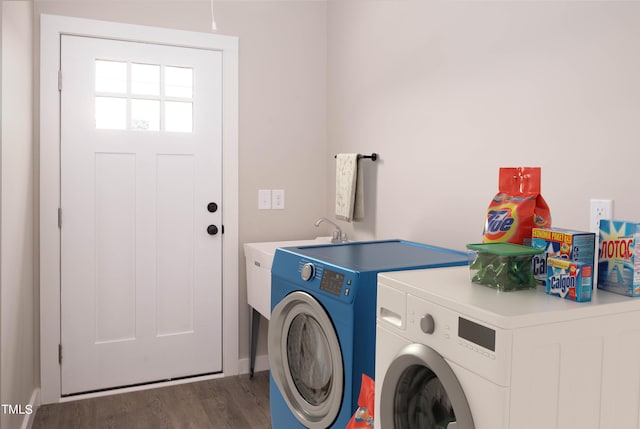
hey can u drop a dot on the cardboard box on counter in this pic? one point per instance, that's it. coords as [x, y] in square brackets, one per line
[563, 243]
[569, 279]
[619, 262]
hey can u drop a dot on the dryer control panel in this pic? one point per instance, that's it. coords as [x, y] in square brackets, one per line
[315, 276]
[332, 282]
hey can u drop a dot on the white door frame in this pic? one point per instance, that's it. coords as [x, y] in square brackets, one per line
[51, 28]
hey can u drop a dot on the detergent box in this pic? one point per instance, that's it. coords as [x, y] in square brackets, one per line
[619, 262]
[559, 242]
[569, 279]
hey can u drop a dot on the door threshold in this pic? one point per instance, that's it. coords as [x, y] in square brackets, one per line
[138, 387]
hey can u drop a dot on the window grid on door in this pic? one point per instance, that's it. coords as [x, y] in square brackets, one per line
[143, 97]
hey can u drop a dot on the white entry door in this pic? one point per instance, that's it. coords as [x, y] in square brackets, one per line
[141, 234]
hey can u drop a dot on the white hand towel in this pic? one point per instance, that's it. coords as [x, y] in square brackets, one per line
[349, 188]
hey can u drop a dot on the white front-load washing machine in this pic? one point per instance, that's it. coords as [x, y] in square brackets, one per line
[452, 354]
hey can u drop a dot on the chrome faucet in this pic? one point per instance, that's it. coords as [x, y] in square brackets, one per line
[338, 235]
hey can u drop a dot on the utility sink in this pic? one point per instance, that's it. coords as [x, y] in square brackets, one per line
[259, 257]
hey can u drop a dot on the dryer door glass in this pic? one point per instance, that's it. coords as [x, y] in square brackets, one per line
[421, 401]
[306, 360]
[309, 359]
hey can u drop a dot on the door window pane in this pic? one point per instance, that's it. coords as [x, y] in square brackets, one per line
[178, 116]
[111, 113]
[145, 79]
[178, 82]
[157, 90]
[145, 115]
[111, 76]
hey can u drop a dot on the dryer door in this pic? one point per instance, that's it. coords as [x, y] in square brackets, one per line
[420, 390]
[306, 360]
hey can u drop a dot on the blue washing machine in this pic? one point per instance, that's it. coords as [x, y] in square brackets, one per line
[323, 324]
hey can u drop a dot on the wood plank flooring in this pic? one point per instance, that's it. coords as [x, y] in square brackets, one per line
[225, 403]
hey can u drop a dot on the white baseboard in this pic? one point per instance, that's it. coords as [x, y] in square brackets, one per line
[262, 364]
[140, 387]
[34, 401]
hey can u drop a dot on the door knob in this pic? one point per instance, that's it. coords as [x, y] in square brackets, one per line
[212, 207]
[212, 230]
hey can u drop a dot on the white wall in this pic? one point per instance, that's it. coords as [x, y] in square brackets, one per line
[448, 92]
[282, 105]
[18, 302]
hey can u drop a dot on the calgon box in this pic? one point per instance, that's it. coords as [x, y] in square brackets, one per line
[619, 263]
[559, 242]
[569, 279]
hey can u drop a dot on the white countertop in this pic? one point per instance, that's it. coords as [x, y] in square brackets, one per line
[452, 288]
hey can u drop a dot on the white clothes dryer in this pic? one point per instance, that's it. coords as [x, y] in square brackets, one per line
[452, 354]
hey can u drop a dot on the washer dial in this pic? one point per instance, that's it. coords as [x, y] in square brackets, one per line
[427, 324]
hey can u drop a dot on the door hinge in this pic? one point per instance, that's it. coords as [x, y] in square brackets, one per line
[59, 80]
[59, 217]
[60, 354]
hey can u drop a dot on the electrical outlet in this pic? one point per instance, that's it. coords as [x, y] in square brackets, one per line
[277, 199]
[599, 209]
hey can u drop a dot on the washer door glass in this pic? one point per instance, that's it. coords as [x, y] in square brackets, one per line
[421, 401]
[421, 391]
[309, 359]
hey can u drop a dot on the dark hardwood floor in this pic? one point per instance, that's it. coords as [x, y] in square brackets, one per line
[225, 403]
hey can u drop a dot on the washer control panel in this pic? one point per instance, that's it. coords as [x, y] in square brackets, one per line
[458, 337]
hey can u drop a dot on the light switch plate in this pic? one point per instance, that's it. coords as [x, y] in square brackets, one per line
[264, 199]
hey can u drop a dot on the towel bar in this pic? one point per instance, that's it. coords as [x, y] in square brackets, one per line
[372, 157]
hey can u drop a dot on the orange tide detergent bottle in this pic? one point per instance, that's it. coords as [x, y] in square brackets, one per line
[517, 207]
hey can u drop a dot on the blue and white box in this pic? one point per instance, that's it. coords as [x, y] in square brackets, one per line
[569, 279]
[619, 262]
[563, 243]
